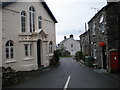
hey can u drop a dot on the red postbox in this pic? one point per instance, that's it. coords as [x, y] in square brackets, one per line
[114, 60]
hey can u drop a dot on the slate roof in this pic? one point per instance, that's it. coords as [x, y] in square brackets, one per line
[65, 40]
[78, 41]
[4, 4]
[62, 42]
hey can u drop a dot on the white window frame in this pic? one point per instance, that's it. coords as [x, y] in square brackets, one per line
[9, 47]
[71, 45]
[39, 22]
[50, 47]
[23, 23]
[94, 51]
[26, 47]
[102, 24]
[28, 51]
[32, 19]
[93, 28]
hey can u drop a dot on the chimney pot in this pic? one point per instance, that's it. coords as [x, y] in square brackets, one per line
[71, 36]
[64, 37]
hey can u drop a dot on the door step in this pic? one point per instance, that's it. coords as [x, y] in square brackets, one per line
[40, 67]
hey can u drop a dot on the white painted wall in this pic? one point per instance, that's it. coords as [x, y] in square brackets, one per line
[75, 48]
[0, 37]
[11, 31]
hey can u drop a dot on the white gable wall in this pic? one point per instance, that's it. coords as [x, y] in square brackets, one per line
[12, 29]
[0, 37]
[74, 49]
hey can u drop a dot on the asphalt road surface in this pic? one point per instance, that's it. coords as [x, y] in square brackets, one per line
[70, 74]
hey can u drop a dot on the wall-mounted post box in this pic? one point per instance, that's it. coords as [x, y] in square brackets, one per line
[114, 60]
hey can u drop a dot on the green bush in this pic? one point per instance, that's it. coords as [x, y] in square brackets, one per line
[9, 76]
[54, 61]
[78, 55]
[65, 54]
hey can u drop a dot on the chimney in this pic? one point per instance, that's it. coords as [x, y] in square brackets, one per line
[85, 27]
[64, 37]
[71, 36]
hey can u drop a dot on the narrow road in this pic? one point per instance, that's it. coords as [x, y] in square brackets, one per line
[70, 74]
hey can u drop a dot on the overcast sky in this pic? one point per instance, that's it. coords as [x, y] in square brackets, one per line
[72, 15]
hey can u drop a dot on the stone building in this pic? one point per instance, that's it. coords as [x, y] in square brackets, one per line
[69, 44]
[113, 25]
[28, 35]
[85, 43]
[113, 34]
[97, 35]
[105, 27]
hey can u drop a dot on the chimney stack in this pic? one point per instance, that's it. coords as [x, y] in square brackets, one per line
[64, 37]
[71, 36]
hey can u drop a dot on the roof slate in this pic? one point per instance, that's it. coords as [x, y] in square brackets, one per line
[62, 42]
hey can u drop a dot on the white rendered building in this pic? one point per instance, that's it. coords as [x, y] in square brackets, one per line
[28, 35]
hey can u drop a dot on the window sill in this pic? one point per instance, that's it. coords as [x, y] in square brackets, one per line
[24, 33]
[36, 32]
[27, 59]
[94, 35]
[10, 61]
[102, 32]
[50, 55]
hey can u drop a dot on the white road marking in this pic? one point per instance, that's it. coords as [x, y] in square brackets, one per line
[81, 64]
[66, 85]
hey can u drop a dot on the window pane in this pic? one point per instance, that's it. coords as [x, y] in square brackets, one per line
[11, 44]
[12, 50]
[30, 23]
[23, 21]
[12, 55]
[7, 56]
[50, 43]
[26, 46]
[51, 49]
[30, 49]
[71, 45]
[7, 44]
[7, 50]
[40, 24]
[32, 17]
[26, 49]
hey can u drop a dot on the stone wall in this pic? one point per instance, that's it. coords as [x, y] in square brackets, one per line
[85, 43]
[113, 23]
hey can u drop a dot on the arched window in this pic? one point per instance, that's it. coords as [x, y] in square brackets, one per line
[32, 18]
[50, 47]
[9, 50]
[39, 22]
[23, 21]
[102, 23]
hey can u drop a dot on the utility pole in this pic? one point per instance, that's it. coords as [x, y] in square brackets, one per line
[85, 27]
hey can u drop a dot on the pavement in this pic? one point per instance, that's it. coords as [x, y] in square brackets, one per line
[115, 75]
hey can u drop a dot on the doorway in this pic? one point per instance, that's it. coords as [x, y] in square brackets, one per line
[39, 53]
[104, 66]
